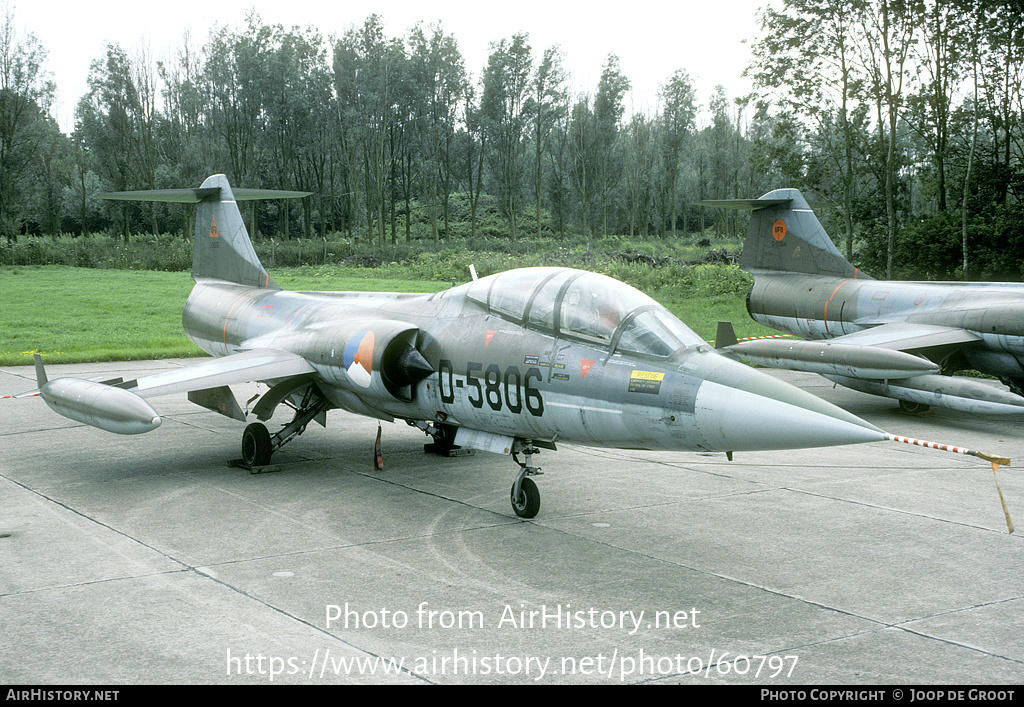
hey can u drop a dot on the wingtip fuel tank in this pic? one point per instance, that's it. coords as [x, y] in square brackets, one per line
[104, 406]
[833, 358]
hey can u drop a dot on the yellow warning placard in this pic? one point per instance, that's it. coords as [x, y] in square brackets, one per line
[645, 381]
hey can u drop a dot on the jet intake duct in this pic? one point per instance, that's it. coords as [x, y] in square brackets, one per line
[375, 357]
[402, 366]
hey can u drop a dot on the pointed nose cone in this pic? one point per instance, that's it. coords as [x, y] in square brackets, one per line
[736, 420]
[740, 408]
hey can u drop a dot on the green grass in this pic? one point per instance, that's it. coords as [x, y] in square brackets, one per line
[77, 314]
[73, 315]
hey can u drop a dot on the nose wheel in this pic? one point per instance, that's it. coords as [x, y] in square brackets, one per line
[525, 495]
[525, 498]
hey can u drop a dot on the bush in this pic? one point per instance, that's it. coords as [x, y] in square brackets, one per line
[651, 266]
[931, 247]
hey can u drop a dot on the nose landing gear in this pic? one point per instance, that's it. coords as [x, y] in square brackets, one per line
[525, 495]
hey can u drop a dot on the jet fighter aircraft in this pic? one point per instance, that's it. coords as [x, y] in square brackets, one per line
[508, 363]
[890, 338]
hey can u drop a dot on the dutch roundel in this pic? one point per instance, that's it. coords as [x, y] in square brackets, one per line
[359, 357]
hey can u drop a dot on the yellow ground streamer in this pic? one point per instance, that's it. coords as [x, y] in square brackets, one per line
[1006, 512]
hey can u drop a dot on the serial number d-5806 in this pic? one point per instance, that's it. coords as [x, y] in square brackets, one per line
[509, 389]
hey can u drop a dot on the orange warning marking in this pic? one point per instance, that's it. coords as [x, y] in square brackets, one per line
[490, 335]
[825, 315]
[584, 367]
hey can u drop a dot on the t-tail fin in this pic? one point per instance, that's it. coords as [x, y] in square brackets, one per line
[222, 249]
[785, 235]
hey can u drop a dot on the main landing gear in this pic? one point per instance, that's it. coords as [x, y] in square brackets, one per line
[258, 444]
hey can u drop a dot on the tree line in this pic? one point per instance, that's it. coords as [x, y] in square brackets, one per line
[905, 114]
[901, 116]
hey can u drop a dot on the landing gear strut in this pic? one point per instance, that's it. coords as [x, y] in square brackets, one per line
[258, 445]
[525, 495]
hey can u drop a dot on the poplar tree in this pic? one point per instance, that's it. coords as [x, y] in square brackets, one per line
[506, 88]
[25, 92]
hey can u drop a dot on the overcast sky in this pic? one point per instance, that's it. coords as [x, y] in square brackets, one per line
[652, 38]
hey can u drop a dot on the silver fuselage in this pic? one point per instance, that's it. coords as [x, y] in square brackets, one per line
[823, 307]
[505, 377]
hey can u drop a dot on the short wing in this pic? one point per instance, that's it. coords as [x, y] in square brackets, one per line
[933, 343]
[120, 407]
[256, 365]
[908, 336]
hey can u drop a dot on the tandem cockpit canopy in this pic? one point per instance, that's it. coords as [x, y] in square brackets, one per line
[586, 306]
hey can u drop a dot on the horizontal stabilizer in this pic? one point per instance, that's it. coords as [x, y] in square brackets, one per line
[745, 204]
[221, 247]
[784, 235]
[194, 196]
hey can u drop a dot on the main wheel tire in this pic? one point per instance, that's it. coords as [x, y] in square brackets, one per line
[528, 503]
[256, 445]
[913, 408]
